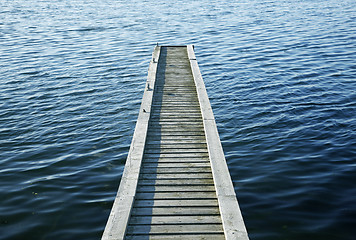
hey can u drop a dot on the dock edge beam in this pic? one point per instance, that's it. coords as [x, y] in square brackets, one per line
[233, 224]
[120, 213]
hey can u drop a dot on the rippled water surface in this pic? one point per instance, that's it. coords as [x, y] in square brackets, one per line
[280, 76]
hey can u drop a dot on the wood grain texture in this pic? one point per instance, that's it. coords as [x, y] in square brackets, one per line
[176, 174]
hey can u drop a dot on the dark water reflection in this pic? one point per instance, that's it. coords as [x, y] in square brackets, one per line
[280, 76]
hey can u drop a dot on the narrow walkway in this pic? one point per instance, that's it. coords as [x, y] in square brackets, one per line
[176, 195]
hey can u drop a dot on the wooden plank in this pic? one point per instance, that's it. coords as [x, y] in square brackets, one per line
[165, 220]
[188, 175]
[167, 107]
[176, 90]
[187, 133]
[198, 229]
[176, 87]
[178, 145]
[176, 98]
[179, 236]
[166, 182]
[163, 129]
[175, 103]
[170, 95]
[176, 170]
[171, 195]
[165, 102]
[176, 164]
[167, 128]
[176, 160]
[180, 188]
[182, 146]
[180, 101]
[178, 138]
[172, 98]
[173, 128]
[174, 114]
[152, 163]
[175, 150]
[177, 112]
[182, 126]
[178, 155]
[164, 110]
[176, 133]
[176, 203]
[175, 141]
[178, 118]
[176, 211]
[176, 123]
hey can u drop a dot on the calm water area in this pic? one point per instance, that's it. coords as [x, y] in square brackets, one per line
[280, 75]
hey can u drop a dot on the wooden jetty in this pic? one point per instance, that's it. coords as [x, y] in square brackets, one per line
[176, 184]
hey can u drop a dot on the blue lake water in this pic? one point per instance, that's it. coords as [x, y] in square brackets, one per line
[280, 74]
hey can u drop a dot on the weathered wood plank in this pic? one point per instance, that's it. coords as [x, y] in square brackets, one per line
[171, 195]
[176, 133]
[170, 96]
[188, 175]
[176, 160]
[176, 113]
[176, 164]
[157, 129]
[178, 145]
[176, 211]
[176, 88]
[175, 141]
[181, 110]
[180, 188]
[175, 123]
[166, 182]
[181, 118]
[179, 236]
[166, 106]
[176, 170]
[176, 157]
[179, 155]
[165, 220]
[175, 151]
[168, 128]
[174, 229]
[176, 203]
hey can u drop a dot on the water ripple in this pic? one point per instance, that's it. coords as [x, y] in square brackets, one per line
[280, 76]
